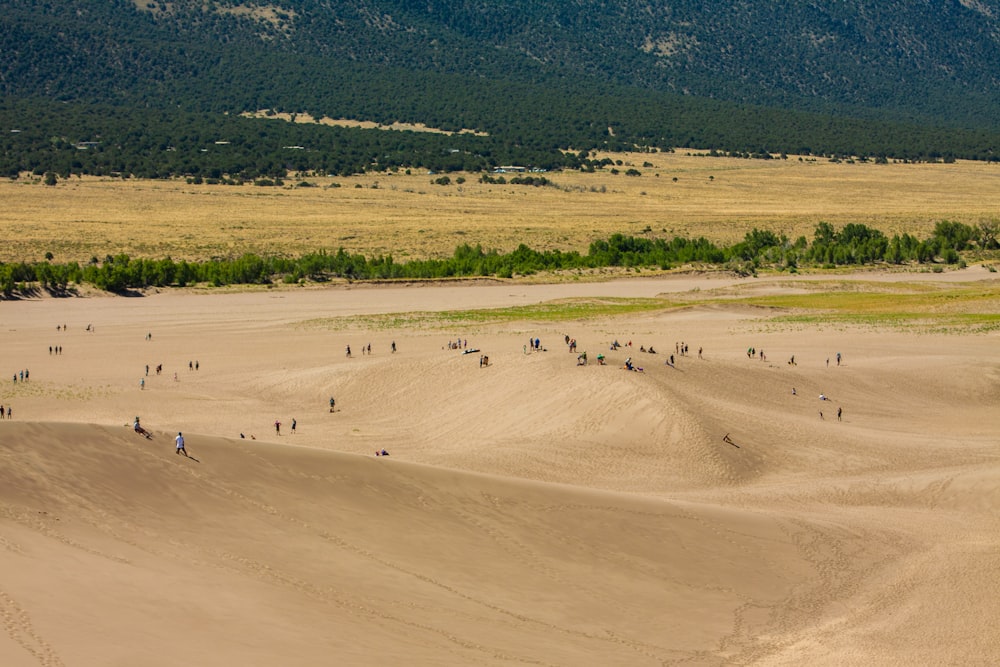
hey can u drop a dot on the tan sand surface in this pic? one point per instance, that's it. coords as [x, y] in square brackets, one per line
[531, 512]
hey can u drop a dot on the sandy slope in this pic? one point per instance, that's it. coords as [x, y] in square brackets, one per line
[531, 512]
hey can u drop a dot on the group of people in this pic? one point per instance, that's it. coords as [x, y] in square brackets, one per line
[629, 366]
[24, 375]
[9, 413]
[277, 424]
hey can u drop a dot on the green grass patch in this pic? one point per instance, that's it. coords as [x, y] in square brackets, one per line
[969, 308]
[561, 310]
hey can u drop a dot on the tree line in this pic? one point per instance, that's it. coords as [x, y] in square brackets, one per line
[853, 244]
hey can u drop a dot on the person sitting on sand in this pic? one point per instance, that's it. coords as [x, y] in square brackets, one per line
[137, 427]
[381, 452]
[600, 359]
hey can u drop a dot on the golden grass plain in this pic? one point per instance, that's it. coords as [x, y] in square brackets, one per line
[408, 216]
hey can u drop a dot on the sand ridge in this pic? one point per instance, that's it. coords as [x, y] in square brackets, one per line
[533, 511]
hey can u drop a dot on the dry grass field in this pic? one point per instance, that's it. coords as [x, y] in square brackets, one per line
[409, 217]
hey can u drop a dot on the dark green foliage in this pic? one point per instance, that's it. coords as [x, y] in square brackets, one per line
[854, 244]
[536, 75]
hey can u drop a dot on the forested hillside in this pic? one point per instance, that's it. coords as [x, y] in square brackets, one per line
[910, 80]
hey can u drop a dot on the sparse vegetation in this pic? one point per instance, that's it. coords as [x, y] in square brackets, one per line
[854, 245]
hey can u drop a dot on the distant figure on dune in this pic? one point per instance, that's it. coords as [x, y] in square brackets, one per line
[180, 444]
[381, 452]
[348, 350]
[840, 413]
[277, 427]
[332, 403]
[294, 424]
[393, 347]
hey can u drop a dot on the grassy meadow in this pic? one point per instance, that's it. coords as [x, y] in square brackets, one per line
[409, 217]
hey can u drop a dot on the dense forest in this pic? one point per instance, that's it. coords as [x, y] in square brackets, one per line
[155, 89]
[41, 136]
[854, 244]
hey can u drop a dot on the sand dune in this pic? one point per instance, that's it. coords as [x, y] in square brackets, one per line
[531, 512]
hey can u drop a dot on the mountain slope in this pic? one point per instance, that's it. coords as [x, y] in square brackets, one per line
[858, 77]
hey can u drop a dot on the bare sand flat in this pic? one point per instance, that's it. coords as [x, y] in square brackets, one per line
[530, 512]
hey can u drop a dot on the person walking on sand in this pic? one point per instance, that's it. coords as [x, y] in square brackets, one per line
[332, 403]
[142, 383]
[180, 444]
[840, 412]
[277, 427]
[294, 423]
